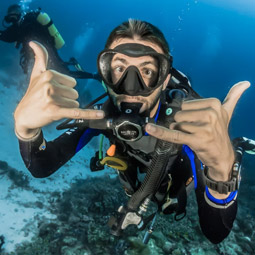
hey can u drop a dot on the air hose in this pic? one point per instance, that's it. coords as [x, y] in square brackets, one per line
[165, 153]
[163, 159]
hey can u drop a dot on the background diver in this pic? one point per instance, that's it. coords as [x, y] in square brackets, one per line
[22, 27]
[157, 125]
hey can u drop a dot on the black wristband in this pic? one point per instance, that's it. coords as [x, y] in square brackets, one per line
[228, 186]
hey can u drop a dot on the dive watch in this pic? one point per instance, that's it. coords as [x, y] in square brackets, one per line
[225, 187]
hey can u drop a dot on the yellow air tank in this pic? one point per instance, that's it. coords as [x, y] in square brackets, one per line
[44, 19]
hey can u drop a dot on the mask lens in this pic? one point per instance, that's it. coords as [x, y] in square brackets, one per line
[147, 67]
[11, 18]
[113, 65]
[133, 69]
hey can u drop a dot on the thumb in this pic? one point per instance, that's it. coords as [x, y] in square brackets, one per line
[41, 58]
[233, 96]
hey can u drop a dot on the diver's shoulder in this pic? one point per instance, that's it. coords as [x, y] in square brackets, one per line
[179, 86]
[178, 77]
[32, 14]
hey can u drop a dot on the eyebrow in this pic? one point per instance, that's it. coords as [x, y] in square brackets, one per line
[124, 61]
[148, 63]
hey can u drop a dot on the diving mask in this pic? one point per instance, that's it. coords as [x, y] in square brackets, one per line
[14, 14]
[133, 69]
[12, 18]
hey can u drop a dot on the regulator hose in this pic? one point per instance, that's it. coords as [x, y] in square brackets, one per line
[165, 155]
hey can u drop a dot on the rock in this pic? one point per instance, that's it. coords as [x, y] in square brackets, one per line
[3, 165]
[1, 242]
[74, 219]
[65, 250]
[70, 241]
[177, 252]
[159, 238]
[168, 247]
[79, 228]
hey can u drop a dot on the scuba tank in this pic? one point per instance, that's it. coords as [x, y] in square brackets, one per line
[44, 19]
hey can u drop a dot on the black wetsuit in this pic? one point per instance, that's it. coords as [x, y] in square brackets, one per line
[29, 29]
[216, 217]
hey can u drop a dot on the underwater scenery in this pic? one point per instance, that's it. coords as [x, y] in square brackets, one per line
[67, 213]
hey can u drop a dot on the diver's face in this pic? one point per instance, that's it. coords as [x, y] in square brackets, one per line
[147, 67]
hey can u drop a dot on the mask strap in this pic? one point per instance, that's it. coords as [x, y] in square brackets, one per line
[104, 86]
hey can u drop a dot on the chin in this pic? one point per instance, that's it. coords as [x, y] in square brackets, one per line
[143, 108]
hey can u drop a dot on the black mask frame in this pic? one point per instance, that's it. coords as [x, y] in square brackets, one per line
[131, 82]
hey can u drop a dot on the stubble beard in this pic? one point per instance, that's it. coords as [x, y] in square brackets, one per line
[148, 103]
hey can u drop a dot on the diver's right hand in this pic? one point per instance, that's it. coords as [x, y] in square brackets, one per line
[50, 97]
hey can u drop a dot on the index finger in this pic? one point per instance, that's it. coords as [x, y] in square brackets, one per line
[172, 136]
[77, 113]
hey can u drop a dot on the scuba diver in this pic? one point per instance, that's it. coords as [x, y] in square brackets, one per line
[22, 27]
[164, 138]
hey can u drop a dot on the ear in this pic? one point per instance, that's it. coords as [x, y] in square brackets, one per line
[166, 81]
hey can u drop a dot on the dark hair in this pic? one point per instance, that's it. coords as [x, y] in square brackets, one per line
[14, 14]
[142, 29]
[14, 9]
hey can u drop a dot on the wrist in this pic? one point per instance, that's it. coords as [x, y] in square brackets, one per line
[27, 134]
[222, 171]
[221, 175]
[224, 187]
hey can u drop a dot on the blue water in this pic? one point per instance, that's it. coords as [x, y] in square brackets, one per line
[212, 41]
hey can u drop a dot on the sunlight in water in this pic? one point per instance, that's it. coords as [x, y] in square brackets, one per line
[244, 6]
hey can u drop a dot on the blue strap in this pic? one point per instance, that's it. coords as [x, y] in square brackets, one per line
[220, 201]
[186, 149]
[86, 137]
[156, 117]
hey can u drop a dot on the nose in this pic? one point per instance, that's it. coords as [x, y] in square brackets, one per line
[132, 83]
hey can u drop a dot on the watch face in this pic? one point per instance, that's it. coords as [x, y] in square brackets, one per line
[237, 174]
[239, 178]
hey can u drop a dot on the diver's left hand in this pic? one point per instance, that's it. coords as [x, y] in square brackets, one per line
[203, 125]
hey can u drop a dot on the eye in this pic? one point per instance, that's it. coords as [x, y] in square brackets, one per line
[116, 72]
[148, 73]
[119, 69]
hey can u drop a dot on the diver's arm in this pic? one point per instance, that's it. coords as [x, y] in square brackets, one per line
[216, 216]
[50, 97]
[10, 34]
[202, 124]
[43, 158]
[84, 75]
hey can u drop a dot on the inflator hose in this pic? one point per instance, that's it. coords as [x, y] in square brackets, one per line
[165, 153]
[164, 157]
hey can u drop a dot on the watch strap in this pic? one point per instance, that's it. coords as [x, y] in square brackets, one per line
[224, 187]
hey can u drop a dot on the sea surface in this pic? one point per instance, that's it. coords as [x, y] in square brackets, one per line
[212, 42]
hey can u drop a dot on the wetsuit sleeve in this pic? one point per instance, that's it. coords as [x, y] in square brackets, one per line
[216, 217]
[84, 75]
[10, 34]
[43, 158]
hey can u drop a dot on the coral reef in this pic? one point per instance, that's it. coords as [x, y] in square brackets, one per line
[80, 227]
